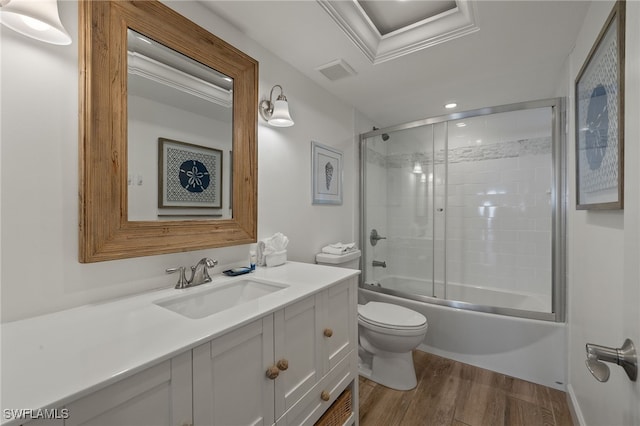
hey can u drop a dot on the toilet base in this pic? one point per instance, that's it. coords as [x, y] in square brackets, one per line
[395, 371]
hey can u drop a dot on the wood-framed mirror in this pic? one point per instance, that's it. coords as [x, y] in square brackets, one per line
[106, 231]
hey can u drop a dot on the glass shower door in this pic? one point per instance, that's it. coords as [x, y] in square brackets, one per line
[499, 213]
[467, 210]
[398, 226]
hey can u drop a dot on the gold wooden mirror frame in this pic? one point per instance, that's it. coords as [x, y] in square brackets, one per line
[105, 231]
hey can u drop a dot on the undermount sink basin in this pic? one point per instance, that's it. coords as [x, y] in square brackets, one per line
[204, 302]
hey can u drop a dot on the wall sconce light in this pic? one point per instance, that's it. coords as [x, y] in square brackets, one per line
[417, 168]
[37, 19]
[276, 113]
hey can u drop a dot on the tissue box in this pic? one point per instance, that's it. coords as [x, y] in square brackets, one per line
[277, 258]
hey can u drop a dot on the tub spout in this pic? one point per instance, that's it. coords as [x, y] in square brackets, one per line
[379, 263]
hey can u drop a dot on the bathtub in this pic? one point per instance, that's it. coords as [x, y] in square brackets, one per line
[529, 349]
[477, 295]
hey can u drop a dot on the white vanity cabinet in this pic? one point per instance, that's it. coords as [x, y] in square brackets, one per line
[273, 361]
[159, 395]
[285, 368]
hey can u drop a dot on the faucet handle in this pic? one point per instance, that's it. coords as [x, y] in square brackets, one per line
[182, 279]
[208, 263]
[199, 272]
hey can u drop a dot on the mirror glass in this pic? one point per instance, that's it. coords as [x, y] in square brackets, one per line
[180, 135]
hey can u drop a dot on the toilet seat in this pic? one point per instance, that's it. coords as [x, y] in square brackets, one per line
[391, 317]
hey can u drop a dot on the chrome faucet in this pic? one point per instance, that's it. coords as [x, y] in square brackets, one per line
[199, 273]
[380, 263]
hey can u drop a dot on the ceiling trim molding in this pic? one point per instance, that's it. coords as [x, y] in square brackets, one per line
[158, 72]
[355, 23]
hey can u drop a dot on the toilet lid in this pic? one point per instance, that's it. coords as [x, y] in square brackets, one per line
[389, 315]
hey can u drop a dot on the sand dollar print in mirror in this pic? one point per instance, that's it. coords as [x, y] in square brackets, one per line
[194, 176]
[326, 174]
[190, 176]
[599, 97]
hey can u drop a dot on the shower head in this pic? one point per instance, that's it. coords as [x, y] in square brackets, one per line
[385, 136]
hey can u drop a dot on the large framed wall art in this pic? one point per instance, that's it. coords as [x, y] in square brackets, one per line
[599, 109]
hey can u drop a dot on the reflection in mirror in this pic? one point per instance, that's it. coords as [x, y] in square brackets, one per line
[180, 135]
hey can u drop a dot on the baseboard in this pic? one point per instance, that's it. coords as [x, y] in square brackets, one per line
[574, 407]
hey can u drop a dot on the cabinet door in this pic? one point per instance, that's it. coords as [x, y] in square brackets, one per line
[230, 386]
[159, 395]
[297, 341]
[340, 326]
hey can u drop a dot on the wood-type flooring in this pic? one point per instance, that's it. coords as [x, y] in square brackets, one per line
[450, 393]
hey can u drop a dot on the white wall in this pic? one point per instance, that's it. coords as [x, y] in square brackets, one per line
[40, 272]
[603, 252]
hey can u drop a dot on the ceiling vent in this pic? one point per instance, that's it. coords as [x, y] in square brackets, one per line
[336, 70]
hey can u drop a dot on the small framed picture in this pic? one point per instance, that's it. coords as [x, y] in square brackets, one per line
[326, 174]
[189, 176]
[599, 94]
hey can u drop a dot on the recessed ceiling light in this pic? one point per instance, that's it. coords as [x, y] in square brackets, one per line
[461, 125]
[451, 105]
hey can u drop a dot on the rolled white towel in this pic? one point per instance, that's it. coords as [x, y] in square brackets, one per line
[267, 246]
[339, 248]
[260, 257]
[277, 258]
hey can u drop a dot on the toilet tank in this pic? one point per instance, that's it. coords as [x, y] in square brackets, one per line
[349, 260]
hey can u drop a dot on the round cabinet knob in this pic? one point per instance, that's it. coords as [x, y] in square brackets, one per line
[328, 332]
[282, 365]
[325, 396]
[273, 372]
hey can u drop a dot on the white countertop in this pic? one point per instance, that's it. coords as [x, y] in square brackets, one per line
[51, 360]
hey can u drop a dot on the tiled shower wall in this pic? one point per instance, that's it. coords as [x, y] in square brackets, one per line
[499, 216]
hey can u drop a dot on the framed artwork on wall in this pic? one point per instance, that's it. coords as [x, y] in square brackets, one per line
[599, 111]
[326, 174]
[189, 176]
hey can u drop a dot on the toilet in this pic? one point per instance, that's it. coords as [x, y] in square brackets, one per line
[387, 334]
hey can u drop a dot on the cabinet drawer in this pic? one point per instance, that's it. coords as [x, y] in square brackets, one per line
[311, 407]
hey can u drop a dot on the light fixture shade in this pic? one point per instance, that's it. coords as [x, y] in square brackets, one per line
[417, 168]
[37, 19]
[281, 116]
